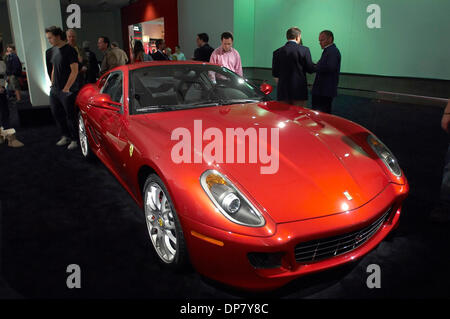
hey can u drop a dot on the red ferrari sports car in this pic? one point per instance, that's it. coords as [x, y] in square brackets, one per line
[253, 193]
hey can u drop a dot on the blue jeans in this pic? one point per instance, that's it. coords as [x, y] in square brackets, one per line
[445, 187]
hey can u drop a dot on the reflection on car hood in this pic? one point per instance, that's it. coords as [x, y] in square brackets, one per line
[321, 171]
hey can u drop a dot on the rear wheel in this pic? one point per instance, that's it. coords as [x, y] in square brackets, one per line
[84, 142]
[163, 225]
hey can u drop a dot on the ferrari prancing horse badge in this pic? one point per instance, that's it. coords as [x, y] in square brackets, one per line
[131, 149]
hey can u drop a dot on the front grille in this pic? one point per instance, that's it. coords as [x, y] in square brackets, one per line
[324, 248]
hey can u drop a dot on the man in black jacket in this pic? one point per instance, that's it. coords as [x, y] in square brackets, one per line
[289, 66]
[159, 55]
[92, 66]
[204, 51]
[327, 73]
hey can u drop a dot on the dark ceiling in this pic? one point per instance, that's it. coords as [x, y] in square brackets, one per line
[97, 4]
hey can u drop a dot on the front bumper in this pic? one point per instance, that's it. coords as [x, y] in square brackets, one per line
[225, 258]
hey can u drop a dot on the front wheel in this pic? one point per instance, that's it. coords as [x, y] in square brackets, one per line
[163, 225]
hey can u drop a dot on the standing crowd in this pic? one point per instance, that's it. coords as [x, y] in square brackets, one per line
[291, 62]
[10, 72]
[70, 67]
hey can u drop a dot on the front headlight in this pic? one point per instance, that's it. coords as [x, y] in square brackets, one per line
[385, 155]
[229, 200]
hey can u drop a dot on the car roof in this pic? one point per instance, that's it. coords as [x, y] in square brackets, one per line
[139, 65]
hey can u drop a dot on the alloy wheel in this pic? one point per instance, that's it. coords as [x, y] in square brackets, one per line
[160, 223]
[83, 137]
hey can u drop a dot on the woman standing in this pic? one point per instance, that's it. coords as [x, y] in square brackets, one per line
[139, 54]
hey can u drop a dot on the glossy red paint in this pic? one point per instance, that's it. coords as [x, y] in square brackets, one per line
[266, 88]
[321, 157]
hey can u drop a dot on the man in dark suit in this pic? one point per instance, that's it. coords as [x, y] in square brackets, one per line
[159, 55]
[289, 66]
[204, 51]
[327, 73]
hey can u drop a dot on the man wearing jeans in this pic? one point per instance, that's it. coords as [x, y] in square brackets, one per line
[64, 87]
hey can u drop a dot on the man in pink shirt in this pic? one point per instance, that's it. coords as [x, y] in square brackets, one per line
[226, 55]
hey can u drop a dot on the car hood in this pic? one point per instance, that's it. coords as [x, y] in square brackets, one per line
[320, 170]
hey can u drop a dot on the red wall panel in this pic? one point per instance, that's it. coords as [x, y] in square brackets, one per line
[145, 10]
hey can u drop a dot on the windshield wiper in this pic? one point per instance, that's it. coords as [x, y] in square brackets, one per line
[239, 101]
[202, 103]
[158, 107]
[178, 106]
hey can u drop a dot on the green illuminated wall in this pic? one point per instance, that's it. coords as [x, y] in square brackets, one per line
[413, 40]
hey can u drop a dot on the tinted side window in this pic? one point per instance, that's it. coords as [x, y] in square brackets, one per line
[113, 87]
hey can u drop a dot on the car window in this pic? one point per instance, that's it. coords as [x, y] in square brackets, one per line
[180, 86]
[114, 87]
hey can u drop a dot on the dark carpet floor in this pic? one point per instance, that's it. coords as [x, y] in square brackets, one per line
[57, 210]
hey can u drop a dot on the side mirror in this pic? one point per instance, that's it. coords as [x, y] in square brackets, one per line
[104, 101]
[266, 88]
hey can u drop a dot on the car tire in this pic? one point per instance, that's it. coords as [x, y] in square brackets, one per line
[163, 225]
[83, 139]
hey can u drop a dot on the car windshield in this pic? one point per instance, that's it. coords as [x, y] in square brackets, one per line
[182, 86]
